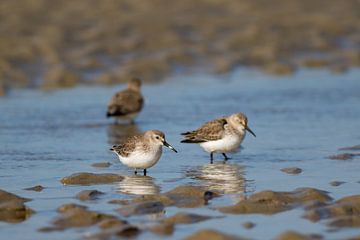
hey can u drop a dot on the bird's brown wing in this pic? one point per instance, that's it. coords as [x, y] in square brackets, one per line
[210, 131]
[127, 147]
[125, 102]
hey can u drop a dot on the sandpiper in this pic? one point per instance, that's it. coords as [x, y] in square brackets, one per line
[126, 104]
[142, 151]
[221, 135]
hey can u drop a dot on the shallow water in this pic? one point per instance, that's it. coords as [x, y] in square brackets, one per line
[299, 121]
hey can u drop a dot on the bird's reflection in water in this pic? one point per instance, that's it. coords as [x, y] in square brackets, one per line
[221, 177]
[117, 133]
[138, 185]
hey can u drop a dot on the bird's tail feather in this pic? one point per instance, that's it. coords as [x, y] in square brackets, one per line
[185, 133]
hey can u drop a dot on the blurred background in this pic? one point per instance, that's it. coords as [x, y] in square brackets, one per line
[56, 44]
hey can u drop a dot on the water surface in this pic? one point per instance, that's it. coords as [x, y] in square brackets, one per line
[299, 121]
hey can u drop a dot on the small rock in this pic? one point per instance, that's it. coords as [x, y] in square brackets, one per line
[85, 178]
[348, 221]
[101, 165]
[343, 156]
[14, 212]
[208, 234]
[353, 148]
[124, 231]
[6, 197]
[336, 183]
[182, 197]
[74, 215]
[189, 196]
[292, 170]
[142, 208]
[119, 201]
[70, 207]
[248, 225]
[37, 188]
[291, 235]
[86, 195]
[314, 204]
[343, 212]
[12, 208]
[127, 231]
[163, 229]
[270, 202]
[110, 223]
[185, 218]
[49, 229]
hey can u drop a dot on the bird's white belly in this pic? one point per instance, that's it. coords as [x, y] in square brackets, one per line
[140, 159]
[229, 143]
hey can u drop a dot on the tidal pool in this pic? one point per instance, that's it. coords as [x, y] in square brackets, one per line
[299, 121]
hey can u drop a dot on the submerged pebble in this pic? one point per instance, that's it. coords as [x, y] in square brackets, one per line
[101, 165]
[248, 225]
[37, 188]
[336, 183]
[343, 156]
[292, 170]
[352, 148]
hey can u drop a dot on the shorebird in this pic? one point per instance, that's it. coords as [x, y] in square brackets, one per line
[221, 135]
[126, 104]
[142, 151]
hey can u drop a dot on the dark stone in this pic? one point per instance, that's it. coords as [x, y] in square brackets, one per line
[86, 195]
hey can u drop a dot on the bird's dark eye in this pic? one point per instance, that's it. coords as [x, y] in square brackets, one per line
[157, 137]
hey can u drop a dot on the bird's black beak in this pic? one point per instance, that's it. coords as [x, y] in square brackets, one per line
[169, 146]
[249, 130]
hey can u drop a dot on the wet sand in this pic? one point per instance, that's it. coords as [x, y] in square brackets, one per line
[300, 120]
[63, 44]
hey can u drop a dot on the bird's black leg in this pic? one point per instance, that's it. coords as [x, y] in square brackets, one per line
[144, 172]
[211, 157]
[135, 171]
[225, 157]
